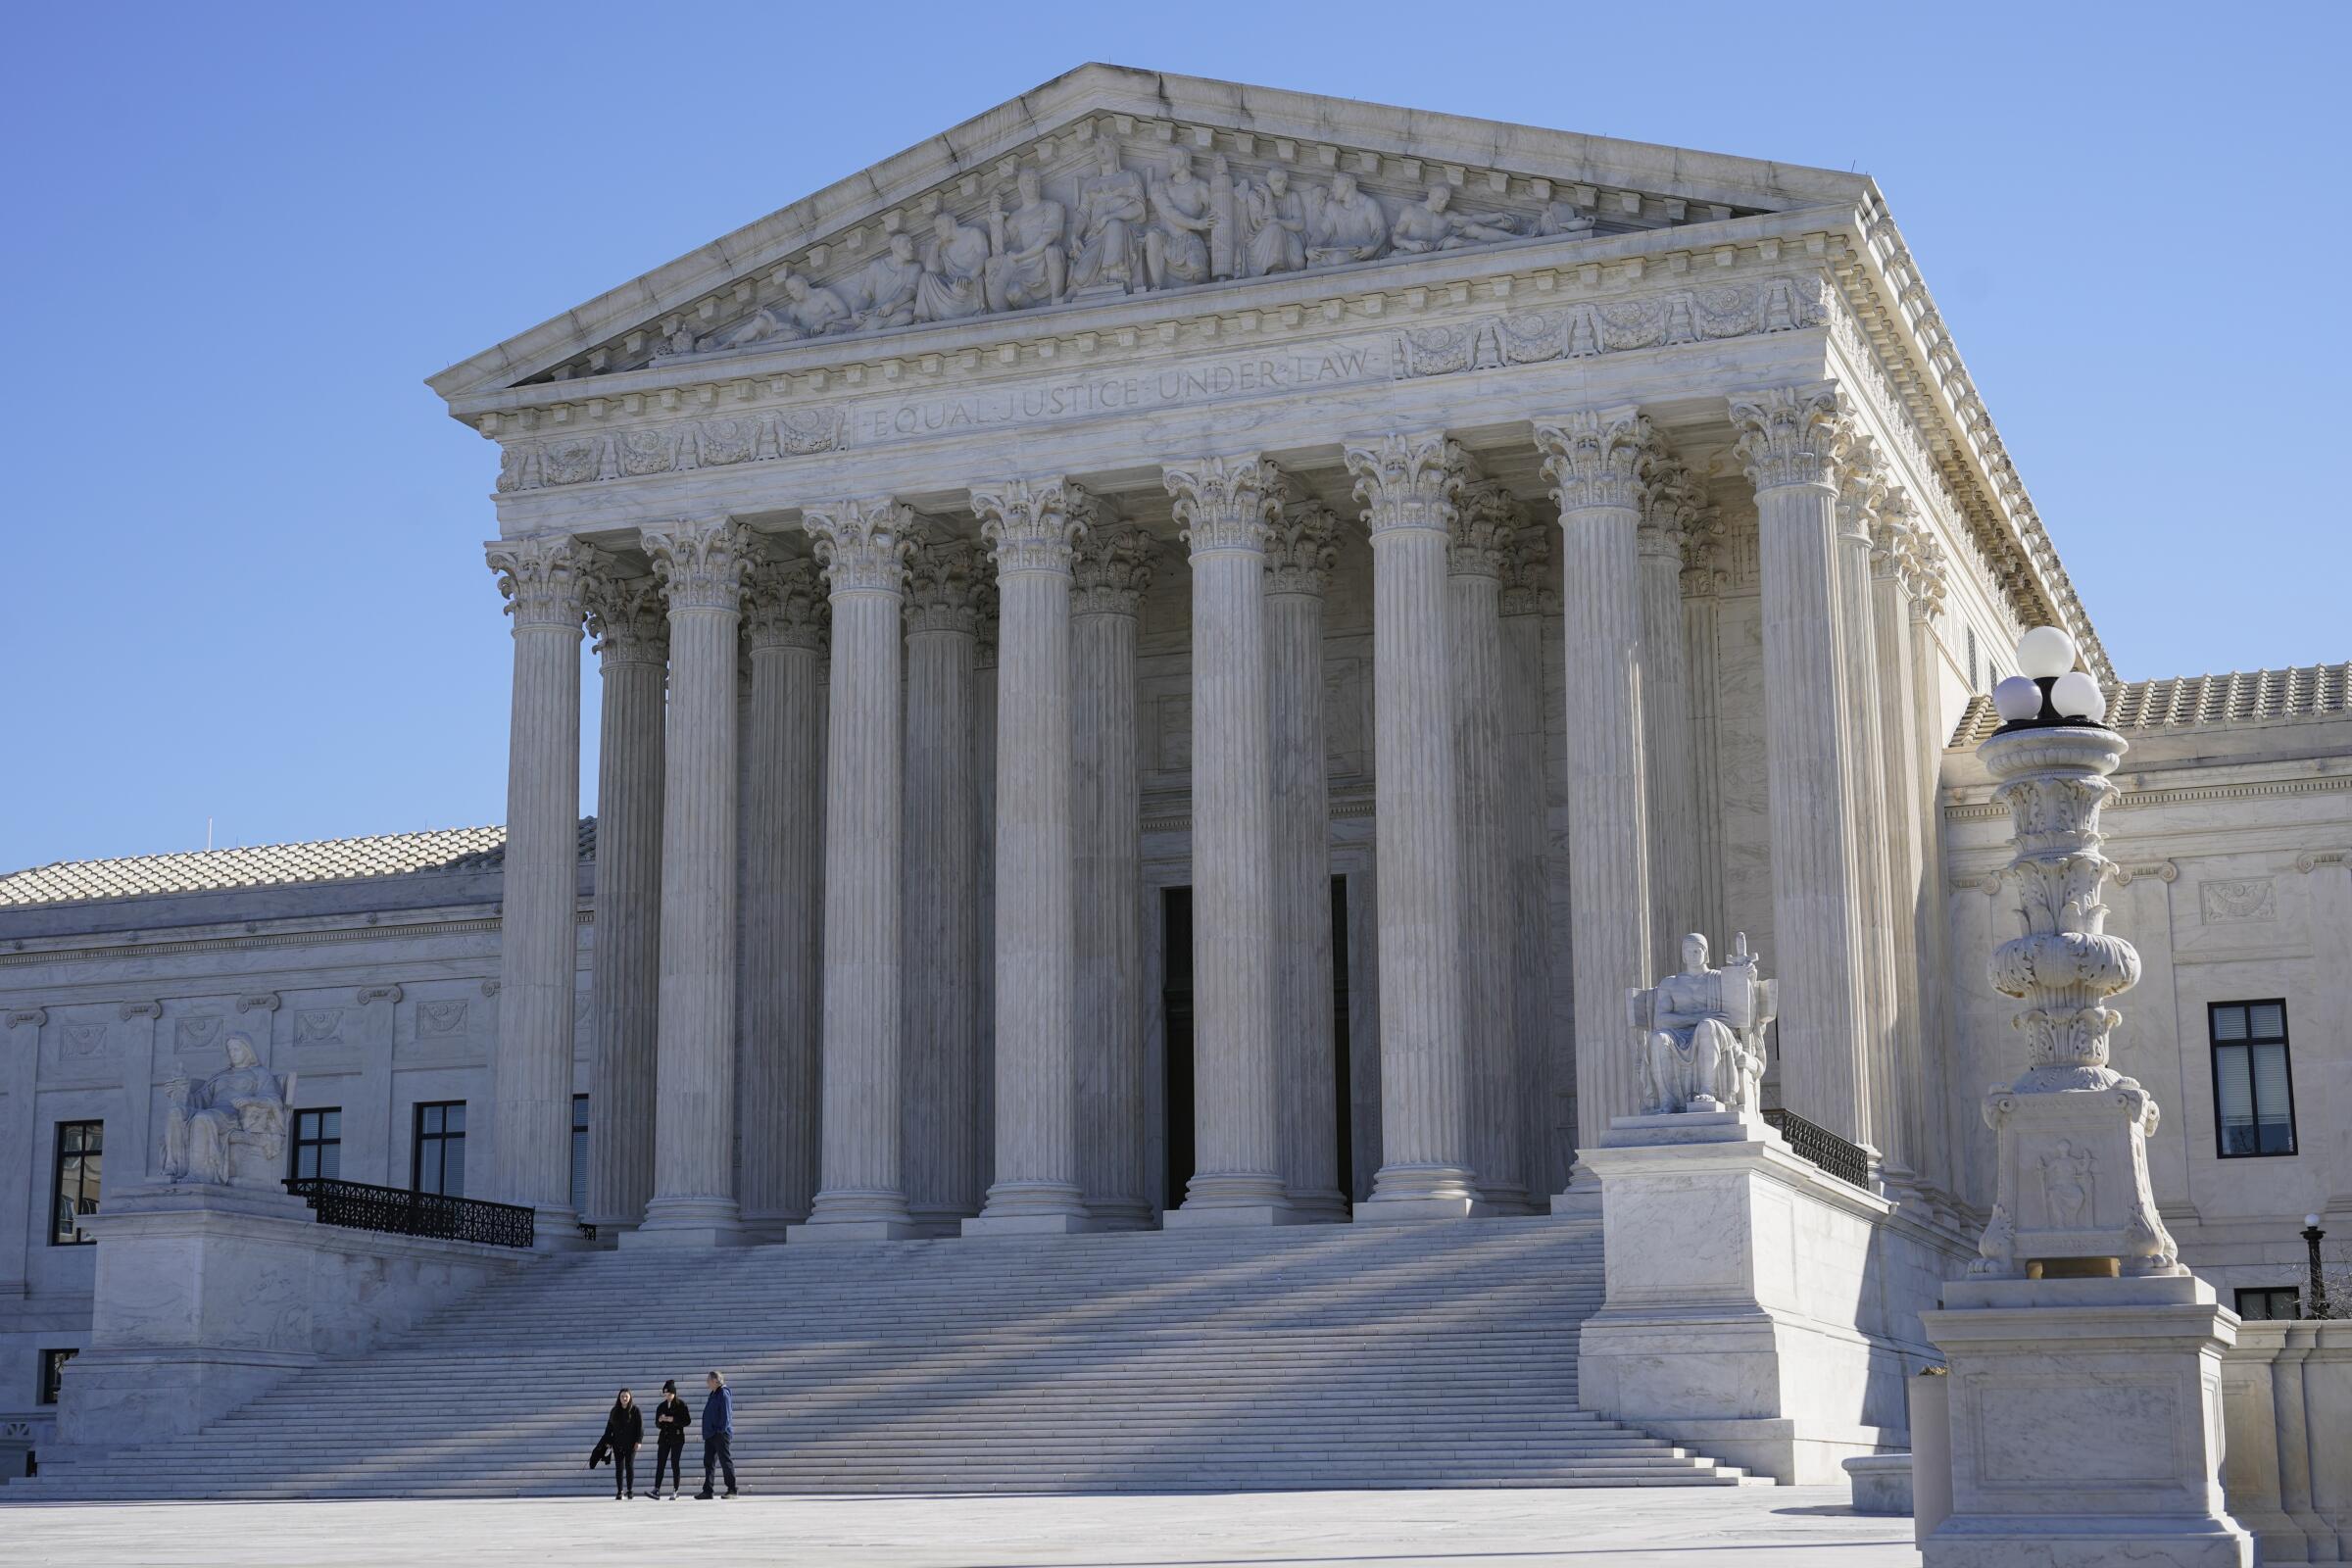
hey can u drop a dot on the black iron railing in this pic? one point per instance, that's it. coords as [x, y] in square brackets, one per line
[401, 1213]
[1822, 1147]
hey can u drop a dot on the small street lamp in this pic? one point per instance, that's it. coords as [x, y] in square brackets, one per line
[2313, 1236]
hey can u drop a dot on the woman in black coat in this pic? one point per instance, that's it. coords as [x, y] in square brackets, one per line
[624, 1429]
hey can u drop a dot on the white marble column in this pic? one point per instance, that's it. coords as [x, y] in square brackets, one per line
[1528, 595]
[1669, 506]
[1702, 584]
[1410, 485]
[1299, 561]
[941, 1029]
[1113, 571]
[701, 563]
[1598, 461]
[1923, 576]
[1794, 442]
[1896, 761]
[629, 623]
[1484, 526]
[544, 580]
[1029, 528]
[984, 773]
[1226, 507]
[863, 546]
[784, 607]
[1859, 496]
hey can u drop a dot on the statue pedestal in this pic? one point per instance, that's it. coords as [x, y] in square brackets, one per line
[2086, 1424]
[206, 1296]
[1758, 1310]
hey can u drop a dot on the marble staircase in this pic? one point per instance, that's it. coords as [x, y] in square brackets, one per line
[1310, 1357]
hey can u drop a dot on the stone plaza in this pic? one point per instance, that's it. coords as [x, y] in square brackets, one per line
[1183, 669]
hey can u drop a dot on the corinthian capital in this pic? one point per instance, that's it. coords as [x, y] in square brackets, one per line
[1674, 504]
[1484, 525]
[628, 619]
[1794, 435]
[1113, 567]
[1861, 491]
[939, 586]
[1408, 482]
[1924, 573]
[1597, 458]
[784, 605]
[544, 580]
[1894, 533]
[1224, 503]
[1527, 588]
[701, 561]
[861, 544]
[1031, 525]
[1305, 544]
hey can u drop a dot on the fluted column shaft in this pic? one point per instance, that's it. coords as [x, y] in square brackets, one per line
[1702, 612]
[629, 621]
[1857, 637]
[942, 898]
[701, 565]
[1598, 461]
[1923, 582]
[1029, 527]
[1299, 561]
[1481, 531]
[1112, 570]
[1225, 508]
[1673, 802]
[1527, 802]
[1893, 761]
[863, 547]
[544, 580]
[1794, 442]
[776, 1117]
[1410, 486]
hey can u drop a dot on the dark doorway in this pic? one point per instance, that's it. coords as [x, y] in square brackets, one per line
[1342, 1089]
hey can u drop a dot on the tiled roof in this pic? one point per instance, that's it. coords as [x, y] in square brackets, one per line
[2183, 701]
[445, 849]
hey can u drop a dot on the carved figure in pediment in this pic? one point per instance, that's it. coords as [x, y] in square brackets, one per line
[1343, 224]
[230, 1128]
[1564, 218]
[1432, 225]
[951, 287]
[1700, 1033]
[881, 293]
[807, 310]
[1111, 210]
[1276, 218]
[1030, 266]
[1176, 246]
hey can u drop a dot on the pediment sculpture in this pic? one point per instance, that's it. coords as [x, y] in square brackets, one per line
[1700, 1034]
[1114, 226]
[229, 1129]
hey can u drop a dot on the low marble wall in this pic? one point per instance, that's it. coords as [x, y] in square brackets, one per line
[206, 1298]
[2286, 1422]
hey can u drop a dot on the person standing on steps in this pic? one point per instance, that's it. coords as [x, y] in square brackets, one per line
[672, 1417]
[624, 1429]
[718, 1429]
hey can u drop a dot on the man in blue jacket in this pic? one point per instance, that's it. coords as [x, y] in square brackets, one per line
[718, 1429]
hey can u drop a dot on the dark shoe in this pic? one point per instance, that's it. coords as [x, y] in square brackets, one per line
[704, 1497]
[730, 1492]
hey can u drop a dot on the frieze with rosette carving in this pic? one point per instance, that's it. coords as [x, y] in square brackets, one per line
[593, 456]
[1588, 330]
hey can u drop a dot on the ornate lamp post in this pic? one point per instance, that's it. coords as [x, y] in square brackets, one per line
[2313, 1236]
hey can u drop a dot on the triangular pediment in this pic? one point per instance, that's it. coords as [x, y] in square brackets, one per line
[943, 231]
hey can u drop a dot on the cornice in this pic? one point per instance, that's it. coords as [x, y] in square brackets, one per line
[2180, 795]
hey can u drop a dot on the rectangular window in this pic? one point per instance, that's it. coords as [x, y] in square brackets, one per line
[438, 1165]
[53, 1373]
[2266, 1303]
[1972, 659]
[318, 1143]
[2253, 1089]
[579, 1155]
[81, 1145]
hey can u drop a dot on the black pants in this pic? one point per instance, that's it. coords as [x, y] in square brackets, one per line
[671, 1452]
[624, 1469]
[716, 1452]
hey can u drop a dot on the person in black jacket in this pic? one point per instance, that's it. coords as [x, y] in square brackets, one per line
[625, 1430]
[672, 1417]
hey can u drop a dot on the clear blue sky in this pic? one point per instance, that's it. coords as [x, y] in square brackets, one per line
[243, 561]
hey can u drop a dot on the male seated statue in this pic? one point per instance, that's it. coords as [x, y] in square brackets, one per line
[1700, 1033]
[230, 1126]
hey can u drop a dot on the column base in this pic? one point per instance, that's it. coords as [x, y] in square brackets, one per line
[1231, 1216]
[1505, 1200]
[1407, 1210]
[1121, 1214]
[1047, 1224]
[558, 1230]
[854, 1230]
[1323, 1206]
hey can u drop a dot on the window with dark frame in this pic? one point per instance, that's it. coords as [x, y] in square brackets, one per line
[81, 1152]
[437, 1164]
[579, 1155]
[2253, 1081]
[53, 1373]
[2263, 1304]
[318, 1143]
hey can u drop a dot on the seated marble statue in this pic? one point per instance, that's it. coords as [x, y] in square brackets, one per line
[1111, 208]
[1030, 266]
[1431, 225]
[807, 310]
[1700, 1033]
[882, 292]
[952, 285]
[1343, 224]
[230, 1128]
